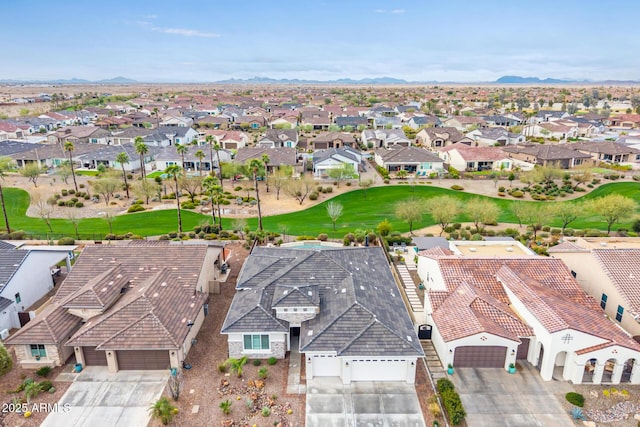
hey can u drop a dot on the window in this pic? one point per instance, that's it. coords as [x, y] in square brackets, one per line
[619, 313]
[18, 298]
[574, 274]
[603, 301]
[38, 350]
[256, 342]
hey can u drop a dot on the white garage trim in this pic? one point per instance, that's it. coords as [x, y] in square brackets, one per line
[325, 365]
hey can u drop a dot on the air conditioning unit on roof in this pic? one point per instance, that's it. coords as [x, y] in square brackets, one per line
[4, 334]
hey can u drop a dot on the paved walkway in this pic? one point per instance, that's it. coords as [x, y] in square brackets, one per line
[408, 283]
[295, 366]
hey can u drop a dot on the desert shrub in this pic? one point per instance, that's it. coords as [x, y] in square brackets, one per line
[257, 362]
[272, 361]
[263, 373]
[6, 363]
[79, 205]
[386, 181]
[64, 192]
[187, 205]
[70, 203]
[457, 187]
[451, 401]
[46, 385]
[319, 189]
[43, 371]
[323, 237]
[72, 191]
[328, 189]
[313, 196]
[266, 411]
[575, 399]
[517, 193]
[17, 235]
[66, 241]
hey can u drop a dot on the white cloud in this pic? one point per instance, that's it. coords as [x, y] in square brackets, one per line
[397, 11]
[151, 16]
[185, 32]
[379, 11]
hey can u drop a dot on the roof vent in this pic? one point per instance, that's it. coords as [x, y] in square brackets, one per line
[509, 249]
[310, 332]
[344, 291]
[472, 249]
[603, 244]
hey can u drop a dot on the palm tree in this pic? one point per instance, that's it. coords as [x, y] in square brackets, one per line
[215, 147]
[123, 159]
[215, 193]
[255, 166]
[174, 171]
[6, 165]
[182, 150]
[236, 364]
[141, 149]
[266, 160]
[200, 155]
[162, 410]
[69, 147]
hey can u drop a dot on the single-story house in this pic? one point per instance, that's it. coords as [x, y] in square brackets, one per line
[435, 138]
[340, 306]
[560, 156]
[107, 155]
[419, 122]
[228, 139]
[609, 272]
[464, 123]
[486, 137]
[411, 159]
[465, 158]
[325, 160]
[168, 156]
[27, 274]
[529, 308]
[608, 151]
[353, 122]
[278, 138]
[334, 140]
[385, 138]
[277, 156]
[136, 305]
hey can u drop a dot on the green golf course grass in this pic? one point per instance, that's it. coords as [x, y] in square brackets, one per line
[360, 211]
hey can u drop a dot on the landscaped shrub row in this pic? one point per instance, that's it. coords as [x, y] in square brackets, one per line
[451, 401]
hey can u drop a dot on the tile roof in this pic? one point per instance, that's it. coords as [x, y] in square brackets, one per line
[153, 312]
[544, 285]
[622, 266]
[547, 152]
[277, 155]
[408, 155]
[361, 311]
[567, 247]
[477, 153]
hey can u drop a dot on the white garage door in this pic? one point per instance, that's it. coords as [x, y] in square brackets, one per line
[378, 370]
[326, 366]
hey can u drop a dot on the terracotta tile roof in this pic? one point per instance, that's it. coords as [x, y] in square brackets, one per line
[436, 252]
[622, 266]
[544, 285]
[153, 312]
[476, 312]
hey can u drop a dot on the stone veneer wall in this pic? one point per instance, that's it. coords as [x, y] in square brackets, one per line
[23, 354]
[278, 350]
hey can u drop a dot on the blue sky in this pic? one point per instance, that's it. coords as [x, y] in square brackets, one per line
[423, 40]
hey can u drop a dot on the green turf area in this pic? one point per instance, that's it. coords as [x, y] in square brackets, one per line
[87, 173]
[358, 213]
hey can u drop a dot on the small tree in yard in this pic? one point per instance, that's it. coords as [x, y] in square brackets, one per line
[443, 210]
[365, 184]
[32, 172]
[32, 390]
[106, 187]
[409, 211]
[568, 212]
[39, 201]
[6, 363]
[299, 189]
[175, 384]
[481, 211]
[236, 365]
[612, 208]
[163, 410]
[334, 210]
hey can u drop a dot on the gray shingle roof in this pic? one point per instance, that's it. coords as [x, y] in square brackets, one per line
[4, 303]
[361, 309]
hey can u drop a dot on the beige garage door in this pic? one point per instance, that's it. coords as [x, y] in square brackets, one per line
[93, 357]
[479, 357]
[143, 359]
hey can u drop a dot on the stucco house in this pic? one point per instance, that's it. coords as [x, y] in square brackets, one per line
[411, 159]
[385, 138]
[334, 140]
[27, 274]
[435, 138]
[485, 137]
[135, 305]
[341, 306]
[278, 138]
[527, 308]
[608, 271]
[325, 160]
[465, 158]
[559, 156]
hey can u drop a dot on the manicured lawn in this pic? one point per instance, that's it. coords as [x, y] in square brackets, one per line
[87, 173]
[359, 212]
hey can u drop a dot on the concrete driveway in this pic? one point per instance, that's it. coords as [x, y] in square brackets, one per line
[97, 398]
[371, 404]
[493, 397]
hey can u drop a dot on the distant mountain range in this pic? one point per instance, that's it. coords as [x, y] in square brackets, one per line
[74, 81]
[345, 81]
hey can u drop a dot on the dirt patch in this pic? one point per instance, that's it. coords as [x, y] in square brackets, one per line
[40, 406]
[205, 387]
